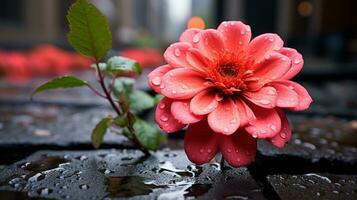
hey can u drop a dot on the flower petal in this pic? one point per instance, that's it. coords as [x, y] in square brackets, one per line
[204, 102]
[287, 97]
[265, 97]
[188, 34]
[297, 62]
[267, 123]
[164, 117]
[238, 149]
[263, 45]
[155, 77]
[209, 43]
[235, 35]
[196, 60]
[201, 143]
[182, 83]
[175, 54]
[284, 136]
[273, 67]
[181, 111]
[225, 118]
[245, 113]
[304, 99]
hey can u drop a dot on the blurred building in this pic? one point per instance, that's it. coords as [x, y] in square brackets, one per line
[319, 28]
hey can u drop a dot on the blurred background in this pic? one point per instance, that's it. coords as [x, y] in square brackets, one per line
[33, 38]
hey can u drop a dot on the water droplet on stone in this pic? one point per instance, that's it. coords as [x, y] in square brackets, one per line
[156, 81]
[84, 187]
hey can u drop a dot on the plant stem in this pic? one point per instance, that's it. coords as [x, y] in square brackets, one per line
[117, 110]
[222, 164]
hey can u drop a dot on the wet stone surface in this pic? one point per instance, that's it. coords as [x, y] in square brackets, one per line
[121, 174]
[318, 139]
[314, 186]
[32, 127]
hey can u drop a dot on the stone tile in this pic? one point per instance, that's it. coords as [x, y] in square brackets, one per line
[318, 139]
[121, 174]
[314, 186]
[25, 129]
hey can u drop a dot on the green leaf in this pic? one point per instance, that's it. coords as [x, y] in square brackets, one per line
[89, 30]
[99, 131]
[61, 82]
[158, 98]
[140, 101]
[149, 136]
[119, 65]
[123, 87]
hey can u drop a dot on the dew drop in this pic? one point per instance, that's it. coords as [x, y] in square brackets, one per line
[267, 57]
[291, 87]
[226, 130]
[162, 86]
[184, 86]
[248, 29]
[242, 32]
[209, 150]
[162, 106]
[177, 52]
[171, 73]
[238, 159]
[164, 118]
[196, 39]
[229, 150]
[156, 81]
[233, 121]
[273, 127]
[271, 92]
[185, 104]
[201, 150]
[271, 39]
[240, 42]
[284, 59]
[264, 101]
[174, 92]
[297, 61]
[283, 135]
[237, 150]
[255, 135]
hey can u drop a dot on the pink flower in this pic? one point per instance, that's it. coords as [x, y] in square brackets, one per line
[229, 90]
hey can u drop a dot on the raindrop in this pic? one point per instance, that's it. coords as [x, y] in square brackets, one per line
[335, 192]
[273, 127]
[162, 106]
[164, 118]
[162, 86]
[185, 104]
[284, 59]
[184, 86]
[177, 52]
[283, 135]
[271, 39]
[44, 191]
[240, 42]
[196, 39]
[156, 81]
[237, 150]
[297, 61]
[263, 101]
[233, 121]
[171, 73]
[201, 150]
[209, 150]
[229, 150]
[174, 92]
[248, 29]
[291, 87]
[242, 32]
[83, 158]
[226, 130]
[271, 92]
[267, 57]
[84, 187]
[255, 135]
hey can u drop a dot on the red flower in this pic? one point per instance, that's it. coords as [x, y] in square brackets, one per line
[147, 57]
[229, 90]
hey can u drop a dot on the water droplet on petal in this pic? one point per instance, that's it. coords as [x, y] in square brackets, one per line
[184, 86]
[207, 83]
[177, 52]
[162, 86]
[283, 135]
[263, 101]
[162, 106]
[201, 150]
[291, 87]
[164, 118]
[284, 59]
[242, 32]
[237, 150]
[171, 73]
[240, 42]
[209, 150]
[226, 130]
[185, 104]
[233, 121]
[267, 57]
[297, 61]
[174, 92]
[229, 150]
[156, 81]
[255, 135]
[247, 28]
[196, 39]
[271, 39]
[271, 92]
[273, 127]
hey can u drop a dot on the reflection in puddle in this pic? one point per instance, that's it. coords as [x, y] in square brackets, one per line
[168, 167]
[129, 186]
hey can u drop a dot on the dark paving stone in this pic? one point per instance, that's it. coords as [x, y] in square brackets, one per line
[25, 129]
[318, 139]
[314, 186]
[124, 174]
